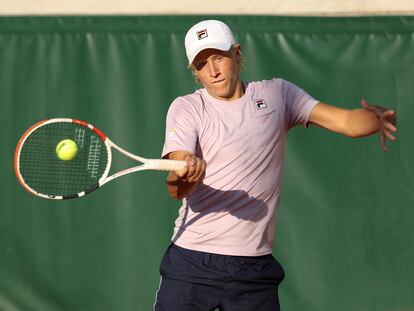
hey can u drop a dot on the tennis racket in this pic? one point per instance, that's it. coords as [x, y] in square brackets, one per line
[42, 173]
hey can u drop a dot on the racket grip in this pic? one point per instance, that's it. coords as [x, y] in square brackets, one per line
[167, 165]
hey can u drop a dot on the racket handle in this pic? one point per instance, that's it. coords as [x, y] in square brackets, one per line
[166, 165]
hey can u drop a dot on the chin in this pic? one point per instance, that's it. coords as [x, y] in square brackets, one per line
[220, 93]
[222, 96]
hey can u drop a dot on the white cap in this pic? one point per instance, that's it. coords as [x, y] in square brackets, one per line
[210, 34]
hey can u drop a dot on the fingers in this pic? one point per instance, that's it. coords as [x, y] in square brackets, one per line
[389, 126]
[389, 135]
[386, 130]
[365, 105]
[194, 171]
[384, 135]
[200, 173]
[383, 146]
[389, 113]
[182, 172]
[387, 122]
[391, 117]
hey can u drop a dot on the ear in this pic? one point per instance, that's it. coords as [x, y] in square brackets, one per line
[237, 49]
[237, 53]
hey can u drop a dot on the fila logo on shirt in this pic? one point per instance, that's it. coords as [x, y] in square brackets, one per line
[202, 34]
[260, 104]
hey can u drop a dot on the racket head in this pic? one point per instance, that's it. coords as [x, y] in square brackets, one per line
[42, 173]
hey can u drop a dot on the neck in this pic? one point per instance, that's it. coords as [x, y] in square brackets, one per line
[238, 92]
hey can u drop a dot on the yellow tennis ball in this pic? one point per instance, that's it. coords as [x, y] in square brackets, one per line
[66, 150]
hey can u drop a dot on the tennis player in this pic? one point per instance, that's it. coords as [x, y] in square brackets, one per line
[232, 135]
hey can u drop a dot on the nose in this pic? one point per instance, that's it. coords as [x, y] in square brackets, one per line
[212, 68]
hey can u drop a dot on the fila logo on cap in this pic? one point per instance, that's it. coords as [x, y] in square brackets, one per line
[260, 104]
[202, 34]
[208, 34]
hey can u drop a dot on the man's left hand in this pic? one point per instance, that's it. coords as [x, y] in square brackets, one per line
[387, 119]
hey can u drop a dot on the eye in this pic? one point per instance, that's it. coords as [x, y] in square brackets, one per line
[199, 65]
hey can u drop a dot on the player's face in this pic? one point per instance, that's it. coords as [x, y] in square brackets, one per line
[219, 72]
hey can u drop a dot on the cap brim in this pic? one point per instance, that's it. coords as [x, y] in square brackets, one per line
[211, 45]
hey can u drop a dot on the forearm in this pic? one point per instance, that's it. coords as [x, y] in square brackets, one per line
[361, 123]
[351, 123]
[356, 122]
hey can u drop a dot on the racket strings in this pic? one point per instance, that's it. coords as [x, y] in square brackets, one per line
[45, 173]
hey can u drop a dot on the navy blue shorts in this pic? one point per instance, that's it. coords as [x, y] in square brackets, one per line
[198, 281]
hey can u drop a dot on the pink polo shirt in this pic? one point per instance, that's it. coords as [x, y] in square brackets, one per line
[233, 211]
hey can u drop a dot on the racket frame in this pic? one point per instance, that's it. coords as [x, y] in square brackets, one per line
[147, 164]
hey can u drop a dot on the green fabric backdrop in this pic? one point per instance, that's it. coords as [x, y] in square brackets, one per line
[345, 222]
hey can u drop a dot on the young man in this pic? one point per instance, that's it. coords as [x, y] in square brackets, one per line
[231, 134]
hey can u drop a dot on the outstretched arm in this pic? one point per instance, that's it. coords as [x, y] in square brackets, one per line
[357, 122]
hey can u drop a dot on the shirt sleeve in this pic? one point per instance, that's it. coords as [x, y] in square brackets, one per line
[181, 128]
[298, 104]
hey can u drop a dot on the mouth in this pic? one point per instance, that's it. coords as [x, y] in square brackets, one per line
[218, 81]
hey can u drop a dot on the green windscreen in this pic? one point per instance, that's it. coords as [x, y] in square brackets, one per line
[344, 226]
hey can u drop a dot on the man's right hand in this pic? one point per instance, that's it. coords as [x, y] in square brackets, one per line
[194, 171]
[183, 182]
